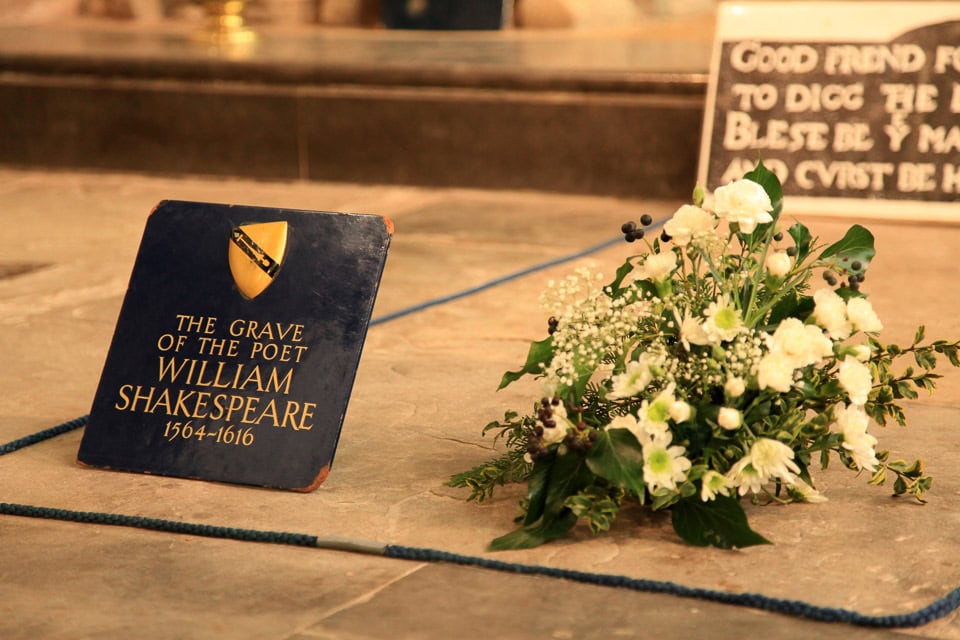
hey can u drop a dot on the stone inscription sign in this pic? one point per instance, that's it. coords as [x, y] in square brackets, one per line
[237, 344]
[842, 119]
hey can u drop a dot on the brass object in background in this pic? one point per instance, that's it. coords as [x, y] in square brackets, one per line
[225, 23]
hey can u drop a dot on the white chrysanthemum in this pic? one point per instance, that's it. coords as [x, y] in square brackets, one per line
[658, 267]
[691, 332]
[680, 411]
[775, 371]
[773, 459]
[723, 320]
[830, 312]
[745, 477]
[856, 380]
[655, 413]
[629, 423]
[862, 317]
[689, 223]
[633, 380]
[852, 422]
[729, 418]
[808, 493]
[663, 466]
[735, 386]
[713, 483]
[743, 202]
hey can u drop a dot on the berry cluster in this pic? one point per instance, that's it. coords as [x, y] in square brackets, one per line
[535, 446]
[552, 324]
[854, 276]
[581, 437]
[631, 232]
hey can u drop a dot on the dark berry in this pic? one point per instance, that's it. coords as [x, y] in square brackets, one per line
[646, 220]
[855, 265]
[593, 435]
[630, 237]
[628, 227]
[831, 281]
[791, 251]
[778, 236]
[855, 285]
[827, 275]
[555, 401]
[665, 236]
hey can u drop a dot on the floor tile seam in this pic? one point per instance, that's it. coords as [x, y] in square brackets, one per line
[362, 599]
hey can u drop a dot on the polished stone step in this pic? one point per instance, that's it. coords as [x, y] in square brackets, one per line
[603, 113]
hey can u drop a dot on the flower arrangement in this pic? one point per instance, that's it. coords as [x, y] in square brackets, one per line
[707, 372]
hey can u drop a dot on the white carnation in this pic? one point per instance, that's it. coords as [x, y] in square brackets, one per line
[657, 267]
[852, 422]
[856, 380]
[688, 223]
[861, 315]
[830, 312]
[743, 202]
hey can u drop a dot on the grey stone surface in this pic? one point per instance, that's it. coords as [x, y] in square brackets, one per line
[424, 390]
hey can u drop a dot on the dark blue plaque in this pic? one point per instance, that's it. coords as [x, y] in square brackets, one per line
[237, 344]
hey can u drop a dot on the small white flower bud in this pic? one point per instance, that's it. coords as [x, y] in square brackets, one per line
[729, 418]
[778, 264]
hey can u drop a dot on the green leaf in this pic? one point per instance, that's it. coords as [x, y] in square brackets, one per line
[622, 273]
[721, 523]
[541, 353]
[771, 184]
[617, 457]
[537, 487]
[855, 246]
[533, 535]
[801, 239]
[568, 475]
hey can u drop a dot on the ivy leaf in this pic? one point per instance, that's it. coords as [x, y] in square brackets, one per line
[617, 457]
[568, 475]
[790, 306]
[537, 487]
[855, 246]
[532, 535]
[553, 480]
[721, 523]
[541, 353]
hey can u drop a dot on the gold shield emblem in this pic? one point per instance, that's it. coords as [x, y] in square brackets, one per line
[256, 253]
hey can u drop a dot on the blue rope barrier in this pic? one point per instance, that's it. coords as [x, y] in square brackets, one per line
[40, 436]
[502, 280]
[795, 608]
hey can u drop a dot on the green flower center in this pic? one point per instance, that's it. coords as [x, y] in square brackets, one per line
[659, 461]
[658, 412]
[725, 318]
